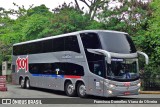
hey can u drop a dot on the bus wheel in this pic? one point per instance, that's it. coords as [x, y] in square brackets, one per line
[27, 83]
[69, 89]
[22, 83]
[81, 90]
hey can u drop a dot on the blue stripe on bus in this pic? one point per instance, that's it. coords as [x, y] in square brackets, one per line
[46, 75]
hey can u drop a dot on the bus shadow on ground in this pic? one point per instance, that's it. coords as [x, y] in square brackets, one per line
[57, 92]
[62, 93]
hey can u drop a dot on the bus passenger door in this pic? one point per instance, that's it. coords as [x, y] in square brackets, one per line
[96, 79]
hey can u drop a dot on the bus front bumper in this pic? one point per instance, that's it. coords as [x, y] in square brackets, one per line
[122, 91]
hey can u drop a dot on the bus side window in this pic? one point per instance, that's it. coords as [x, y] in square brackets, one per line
[71, 44]
[58, 44]
[15, 50]
[47, 46]
[33, 68]
[74, 69]
[90, 40]
[59, 68]
[47, 68]
[95, 62]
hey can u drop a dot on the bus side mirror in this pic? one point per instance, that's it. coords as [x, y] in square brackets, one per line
[101, 52]
[145, 55]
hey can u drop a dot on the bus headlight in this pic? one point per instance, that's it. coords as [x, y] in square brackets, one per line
[139, 84]
[111, 86]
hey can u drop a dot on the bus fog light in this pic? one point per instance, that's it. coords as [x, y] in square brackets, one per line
[111, 86]
[139, 90]
[110, 92]
[139, 84]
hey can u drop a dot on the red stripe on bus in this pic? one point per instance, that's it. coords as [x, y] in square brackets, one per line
[71, 76]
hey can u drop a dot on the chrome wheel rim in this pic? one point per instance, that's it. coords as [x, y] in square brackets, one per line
[27, 84]
[82, 90]
[22, 83]
[70, 89]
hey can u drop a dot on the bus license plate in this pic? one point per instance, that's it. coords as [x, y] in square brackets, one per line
[127, 93]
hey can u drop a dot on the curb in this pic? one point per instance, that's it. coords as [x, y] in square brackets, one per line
[149, 92]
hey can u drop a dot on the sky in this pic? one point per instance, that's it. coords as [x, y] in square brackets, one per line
[51, 4]
[8, 4]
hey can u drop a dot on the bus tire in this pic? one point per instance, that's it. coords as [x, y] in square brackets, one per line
[27, 83]
[81, 90]
[69, 89]
[22, 83]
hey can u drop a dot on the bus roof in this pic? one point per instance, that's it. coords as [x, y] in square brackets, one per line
[67, 34]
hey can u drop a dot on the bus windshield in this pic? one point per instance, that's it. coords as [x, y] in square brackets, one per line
[117, 42]
[122, 70]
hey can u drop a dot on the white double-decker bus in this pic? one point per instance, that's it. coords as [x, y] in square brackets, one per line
[90, 62]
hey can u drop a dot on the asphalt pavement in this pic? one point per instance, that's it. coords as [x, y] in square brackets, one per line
[15, 91]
